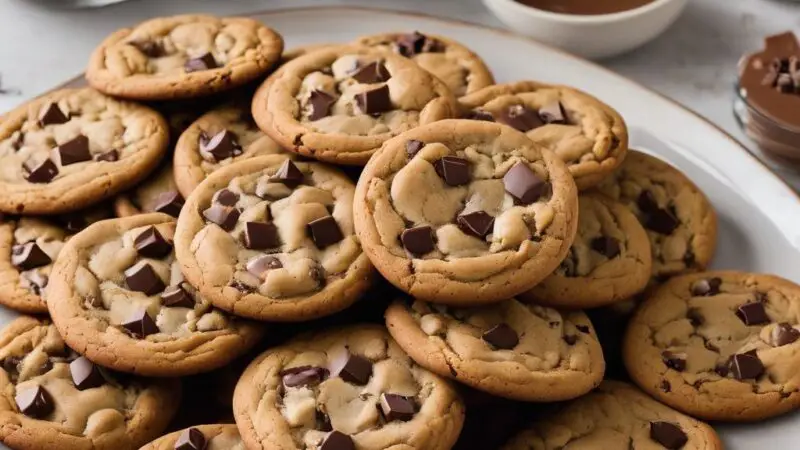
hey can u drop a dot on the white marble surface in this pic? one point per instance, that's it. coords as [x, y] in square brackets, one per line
[693, 62]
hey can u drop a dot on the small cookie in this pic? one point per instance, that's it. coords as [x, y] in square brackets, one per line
[719, 345]
[201, 437]
[509, 349]
[272, 239]
[183, 57]
[55, 399]
[158, 193]
[616, 416]
[465, 212]
[460, 68]
[609, 260]
[73, 148]
[340, 104]
[118, 297]
[220, 137]
[344, 389]
[588, 135]
[679, 219]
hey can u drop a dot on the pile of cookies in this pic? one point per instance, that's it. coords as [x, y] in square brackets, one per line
[360, 246]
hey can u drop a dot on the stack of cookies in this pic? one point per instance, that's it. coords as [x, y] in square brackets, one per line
[360, 246]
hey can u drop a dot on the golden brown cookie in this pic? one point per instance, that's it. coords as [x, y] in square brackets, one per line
[201, 437]
[158, 193]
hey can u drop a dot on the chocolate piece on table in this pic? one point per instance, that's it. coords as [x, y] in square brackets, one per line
[453, 170]
[34, 402]
[169, 202]
[418, 241]
[73, 151]
[191, 439]
[141, 277]
[752, 314]
[784, 334]
[352, 368]
[261, 236]
[140, 324]
[319, 104]
[303, 376]
[706, 287]
[225, 197]
[85, 374]
[501, 337]
[177, 297]
[524, 184]
[325, 232]
[43, 172]
[336, 440]
[374, 101]
[151, 244]
[673, 360]
[224, 216]
[397, 407]
[29, 256]
[413, 147]
[260, 265]
[667, 434]
[109, 156]
[553, 113]
[606, 246]
[745, 366]
[51, 114]
[478, 223]
[203, 62]
[374, 72]
[221, 146]
[520, 118]
[288, 174]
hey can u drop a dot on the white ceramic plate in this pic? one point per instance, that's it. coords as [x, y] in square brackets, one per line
[759, 214]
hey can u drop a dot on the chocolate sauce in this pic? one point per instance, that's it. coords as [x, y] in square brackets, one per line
[585, 7]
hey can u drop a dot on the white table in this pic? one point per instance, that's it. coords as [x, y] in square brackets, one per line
[693, 62]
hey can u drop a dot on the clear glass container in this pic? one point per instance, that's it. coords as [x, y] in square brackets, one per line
[776, 140]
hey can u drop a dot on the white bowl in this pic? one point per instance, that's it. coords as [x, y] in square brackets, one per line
[590, 36]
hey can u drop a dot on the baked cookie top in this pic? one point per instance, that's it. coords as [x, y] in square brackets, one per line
[615, 416]
[158, 193]
[53, 398]
[118, 297]
[183, 57]
[465, 212]
[460, 68]
[272, 239]
[588, 135]
[344, 389]
[341, 103]
[73, 148]
[218, 138]
[718, 345]
[609, 261]
[201, 437]
[680, 221]
[510, 349]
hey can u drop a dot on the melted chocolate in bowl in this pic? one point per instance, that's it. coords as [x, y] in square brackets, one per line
[585, 7]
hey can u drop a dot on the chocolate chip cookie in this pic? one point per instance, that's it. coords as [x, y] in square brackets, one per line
[340, 104]
[272, 239]
[183, 57]
[351, 388]
[220, 137]
[73, 148]
[510, 349]
[588, 135]
[158, 193]
[118, 297]
[201, 437]
[616, 416]
[609, 260]
[460, 68]
[718, 345]
[54, 398]
[465, 212]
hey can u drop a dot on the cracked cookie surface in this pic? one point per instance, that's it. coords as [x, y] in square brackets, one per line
[615, 416]
[588, 135]
[340, 104]
[183, 57]
[55, 399]
[719, 345]
[209, 437]
[509, 349]
[118, 297]
[348, 386]
[609, 261]
[73, 148]
[465, 212]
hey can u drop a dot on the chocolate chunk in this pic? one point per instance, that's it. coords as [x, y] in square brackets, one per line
[520, 118]
[752, 314]
[479, 114]
[397, 407]
[418, 241]
[745, 366]
[478, 223]
[695, 317]
[29, 256]
[524, 184]
[36, 281]
[35, 402]
[169, 202]
[259, 265]
[570, 339]
[51, 114]
[453, 170]
[415, 43]
[655, 218]
[288, 174]
[177, 297]
[74, 151]
[606, 246]
[149, 48]
[323, 422]
[85, 375]
[109, 156]
[43, 172]
[72, 222]
[352, 368]
[140, 324]
[668, 435]
[553, 113]
[204, 62]
[722, 369]
[784, 334]
[225, 197]
[11, 364]
[319, 104]
[374, 72]
[413, 147]
[501, 336]
[583, 329]
[374, 101]
[221, 146]
[151, 244]
[17, 140]
[191, 439]
[260, 236]
[141, 277]
[706, 287]
[224, 216]
[325, 232]
[673, 360]
[303, 376]
[336, 440]
[665, 386]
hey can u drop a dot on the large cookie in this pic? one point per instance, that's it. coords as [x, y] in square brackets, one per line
[183, 57]
[352, 388]
[158, 193]
[460, 68]
[510, 349]
[719, 345]
[340, 104]
[73, 148]
[54, 399]
[118, 297]
[201, 437]
[272, 239]
[588, 135]
[609, 261]
[465, 212]
[616, 416]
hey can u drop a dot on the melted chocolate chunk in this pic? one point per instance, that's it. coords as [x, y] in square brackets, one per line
[224, 216]
[336, 440]
[288, 174]
[397, 407]
[51, 114]
[303, 376]
[668, 435]
[478, 223]
[151, 49]
[655, 218]
[177, 297]
[570, 339]
[520, 118]
[606, 246]
[674, 361]
[260, 265]
[374, 101]
[784, 334]
[453, 170]
[524, 184]
[141, 277]
[261, 236]
[109, 156]
[501, 337]
[745, 366]
[374, 72]
[752, 314]
[74, 151]
[325, 232]
[479, 114]
[553, 113]
[191, 439]
[415, 43]
[706, 287]
[140, 324]
[352, 368]
[204, 62]
[418, 241]
[85, 375]
[225, 197]
[151, 244]
[170, 202]
[413, 147]
[35, 402]
[43, 172]
[221, 146]
[29, 256]
[319, 104]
